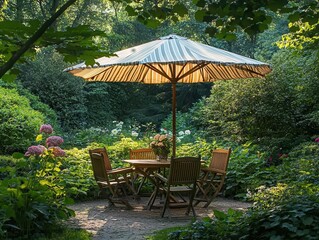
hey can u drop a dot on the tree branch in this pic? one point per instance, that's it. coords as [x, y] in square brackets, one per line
[28, 44]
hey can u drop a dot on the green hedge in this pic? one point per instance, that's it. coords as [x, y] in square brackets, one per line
[18, 121]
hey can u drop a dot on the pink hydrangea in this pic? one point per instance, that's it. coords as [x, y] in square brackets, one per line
[57, 151]
[54, 141]
[317, 140]
[46, 128]
[157, 136]
[35, 150]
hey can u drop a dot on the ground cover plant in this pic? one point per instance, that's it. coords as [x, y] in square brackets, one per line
[33, 197]
[286, 208]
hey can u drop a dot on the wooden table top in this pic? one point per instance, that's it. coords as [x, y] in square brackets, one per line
[148, 162]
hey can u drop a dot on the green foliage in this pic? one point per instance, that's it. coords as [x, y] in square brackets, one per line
[65, 233]
[77, 175]
[36, 104]
[61, 91]
[275, 112]
[164, 233]
[120, 150]
[19, 122]
[33, 197]
[21, 34]
[295, 220]
[286, 203]
[246, 171]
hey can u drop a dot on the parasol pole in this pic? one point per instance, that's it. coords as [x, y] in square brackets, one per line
[174, 117]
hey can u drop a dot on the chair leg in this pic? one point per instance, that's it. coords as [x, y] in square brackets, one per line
[190, 205]
[166, 203]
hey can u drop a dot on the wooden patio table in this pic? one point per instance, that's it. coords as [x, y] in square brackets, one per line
[141, 164]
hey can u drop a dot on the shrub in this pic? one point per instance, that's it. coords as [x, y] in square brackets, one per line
[19, 122]
[32, 194]
[44, 77]
[49, 114]
[286, 199]
[77, 174]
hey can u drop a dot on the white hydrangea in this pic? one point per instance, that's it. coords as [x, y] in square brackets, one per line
[181, 133]
[134, 133]
[187, 132]
[114, 131]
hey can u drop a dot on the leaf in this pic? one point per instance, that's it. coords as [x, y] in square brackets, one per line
[211, 31]
[89, 61]
[274, 5]
[200, 3]
[44, 182]
[9, 78]
[68, 201]
[290, 227]
[220, 214]
[307, 220]
[130, 11]
[17, 155]
[294, 17]
[153, 23]
[199, 15]
[180, 9]
[275, 237]
[230, 37]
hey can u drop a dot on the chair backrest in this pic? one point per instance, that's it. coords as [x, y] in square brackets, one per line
[220, 159]
[142, 153]
[103, 152]
[99, 171]
[184, 170]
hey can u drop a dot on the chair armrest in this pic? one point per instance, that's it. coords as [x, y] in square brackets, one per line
[120, 170]
[160, 177]
[213, 170]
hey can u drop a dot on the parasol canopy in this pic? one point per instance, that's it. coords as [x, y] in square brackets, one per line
[171, 59]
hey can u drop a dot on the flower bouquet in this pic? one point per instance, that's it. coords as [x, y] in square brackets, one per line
[161, 145]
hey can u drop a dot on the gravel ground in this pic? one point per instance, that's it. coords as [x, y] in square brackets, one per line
[120, 224]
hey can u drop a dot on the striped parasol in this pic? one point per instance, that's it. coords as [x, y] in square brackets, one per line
[171, 59]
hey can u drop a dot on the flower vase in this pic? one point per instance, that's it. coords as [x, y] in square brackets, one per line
[162, 157]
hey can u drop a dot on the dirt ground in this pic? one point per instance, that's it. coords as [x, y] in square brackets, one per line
[120, 224]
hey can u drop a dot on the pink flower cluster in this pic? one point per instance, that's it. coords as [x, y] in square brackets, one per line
[35, 150]
[54, 141]
[161, 144]
[57, 151]
[46, 128]
[317, 140]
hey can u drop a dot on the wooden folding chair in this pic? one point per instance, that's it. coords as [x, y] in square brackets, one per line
[212, 178]
[183, 174]
[117, 181]
[143, 153]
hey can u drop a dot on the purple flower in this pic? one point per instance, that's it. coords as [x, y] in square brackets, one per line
[35, 151]
[57, 151]
[43, 148]
[317, 139]
[46, 128]
[54, 141]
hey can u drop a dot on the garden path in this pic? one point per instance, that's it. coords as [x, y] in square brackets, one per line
[120, 224]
